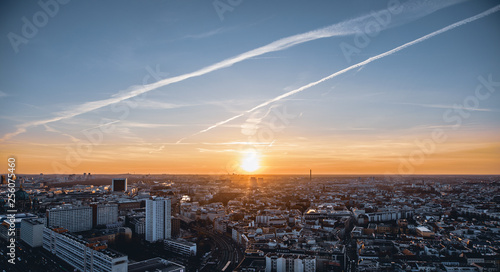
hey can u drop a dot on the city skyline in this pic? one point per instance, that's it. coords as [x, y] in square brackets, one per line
[251, 87]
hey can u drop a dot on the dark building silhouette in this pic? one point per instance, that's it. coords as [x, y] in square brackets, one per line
[23, 200]
[176, 227]
[119, 185]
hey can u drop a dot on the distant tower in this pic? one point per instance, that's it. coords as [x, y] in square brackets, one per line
[253, 182]
[119, 185]
[310, 175]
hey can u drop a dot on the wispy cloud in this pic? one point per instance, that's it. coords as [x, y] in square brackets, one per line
[159, 149]
[146, 125]
[206, 34]
[240, 143]
[217, 150]
[441, 106]
[102, 125]
[152, 104]
[351, 129]
[3, 94]
[429, 127]
[411, 11]
[360, 64]
[50, 129]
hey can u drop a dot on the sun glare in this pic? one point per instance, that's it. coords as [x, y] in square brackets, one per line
[250, 161]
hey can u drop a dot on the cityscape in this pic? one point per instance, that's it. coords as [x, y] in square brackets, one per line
[250, 136]
[254, 223]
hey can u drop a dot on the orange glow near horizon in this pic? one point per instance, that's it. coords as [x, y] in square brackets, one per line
[342, 157]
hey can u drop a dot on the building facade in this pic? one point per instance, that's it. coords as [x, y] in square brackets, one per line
[106, 214]
[72, 218]
[290, 263]
[158, 219]
[83, 255]
[32, 232]
[119, 185]
[180, 246]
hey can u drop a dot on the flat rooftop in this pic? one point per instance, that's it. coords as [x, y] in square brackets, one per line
[155, 264]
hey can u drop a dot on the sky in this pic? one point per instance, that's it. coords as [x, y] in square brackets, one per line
[250, 87]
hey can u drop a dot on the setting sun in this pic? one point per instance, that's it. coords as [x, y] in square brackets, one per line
[250, 161]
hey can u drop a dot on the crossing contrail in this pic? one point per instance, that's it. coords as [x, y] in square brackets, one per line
[357, 65]
[398, 15]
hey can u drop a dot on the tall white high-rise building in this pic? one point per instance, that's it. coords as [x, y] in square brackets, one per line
[158, 220]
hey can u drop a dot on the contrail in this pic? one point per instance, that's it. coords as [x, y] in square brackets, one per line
[360, 64]
[409, 11]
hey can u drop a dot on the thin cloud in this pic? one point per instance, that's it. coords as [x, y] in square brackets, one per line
[206, 34]
[202, 150]
[239, 143]
[152, 104]
[73, 139]
[160, 149]
[411, 11]
[441, 106]
[102, 125]
[360, 64]
[147, 125]
[50, 129]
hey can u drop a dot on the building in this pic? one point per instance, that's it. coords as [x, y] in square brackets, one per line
[129, 205]
[6, 221]
[119, 185]
[104, 214]
[23, 200]
[83, 255]
[425, 232]
[180, 246]
[176, 227]
[155, 264]
[158, 220]
[72, 218]
[253, 182]
[32, 232]
[290, 263]
[139, 225]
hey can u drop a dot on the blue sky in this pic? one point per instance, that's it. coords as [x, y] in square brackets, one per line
[93, 51]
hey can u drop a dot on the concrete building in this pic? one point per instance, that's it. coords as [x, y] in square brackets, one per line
[176, 227]
[158, 219]
[155, 264]
[72, 218]
[119, 185]
[32, 232]
[6, 221]
[180, 246]
[105, 214]
[139, 225]
[83, 255]
[425, 232]
[290, 263]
